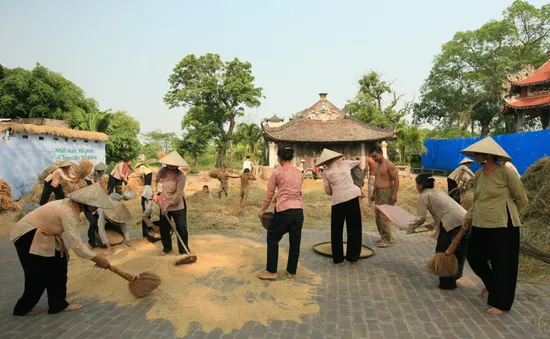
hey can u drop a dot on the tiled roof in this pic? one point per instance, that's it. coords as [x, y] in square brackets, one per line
[529, 102]
[541, 75]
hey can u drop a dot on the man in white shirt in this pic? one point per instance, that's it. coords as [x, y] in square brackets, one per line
[247, 164]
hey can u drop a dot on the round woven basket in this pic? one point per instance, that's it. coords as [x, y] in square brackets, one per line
[266, 219]
[324, 249]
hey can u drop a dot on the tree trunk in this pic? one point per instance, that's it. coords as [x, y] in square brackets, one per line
[196, 160]
[221, 157]
[484, 130]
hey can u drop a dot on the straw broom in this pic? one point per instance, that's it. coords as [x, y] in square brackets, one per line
[443, 264]
[83, 169]
[139, 285]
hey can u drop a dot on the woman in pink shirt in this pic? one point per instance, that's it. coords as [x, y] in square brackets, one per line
[288, 216]
[345, 206]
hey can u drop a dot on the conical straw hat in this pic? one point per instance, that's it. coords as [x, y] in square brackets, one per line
[92, 195]
[173, 159]
[327, 155]
[100, 167]
[466, 161]
[65, 163]
[487, 146]
[145, 168]
[119, 213]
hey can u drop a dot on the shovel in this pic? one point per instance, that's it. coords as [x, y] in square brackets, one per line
[190, 258]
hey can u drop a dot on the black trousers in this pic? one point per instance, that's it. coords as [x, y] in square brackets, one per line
[500, 246]
[47, 191]
[288, 221]
[41, 273]
[451, 184]
[144, 228]
[88, 182]
[350, 213]
[92, 229]
[180, 219]
[114, 184]
[444, 240]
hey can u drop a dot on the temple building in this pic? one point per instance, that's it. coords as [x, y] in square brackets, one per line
[323, 125]
[529, 95]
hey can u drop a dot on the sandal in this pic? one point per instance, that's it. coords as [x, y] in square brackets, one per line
[264, 276]
[382, 245]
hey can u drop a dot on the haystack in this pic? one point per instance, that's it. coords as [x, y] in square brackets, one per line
[6, 200]
[536, 216]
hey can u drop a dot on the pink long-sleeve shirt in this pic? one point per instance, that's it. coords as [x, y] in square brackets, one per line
[338, 181]
[288, 182]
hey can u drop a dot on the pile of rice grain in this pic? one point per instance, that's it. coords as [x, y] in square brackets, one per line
[220, 290]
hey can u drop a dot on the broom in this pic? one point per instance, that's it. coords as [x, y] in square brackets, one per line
[443, 264]
[141, 284]
[83, 169]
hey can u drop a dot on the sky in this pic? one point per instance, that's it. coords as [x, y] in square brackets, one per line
[122, 52]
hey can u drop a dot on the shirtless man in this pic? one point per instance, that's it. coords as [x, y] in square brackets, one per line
[224, 181]
[245, 181]
[385, 190]
[370, 174]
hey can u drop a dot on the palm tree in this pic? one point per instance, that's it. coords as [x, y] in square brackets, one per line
[409, 138]
[251, 136]
[93, 121]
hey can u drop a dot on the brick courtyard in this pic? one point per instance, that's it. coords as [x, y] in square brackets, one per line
[386, 296]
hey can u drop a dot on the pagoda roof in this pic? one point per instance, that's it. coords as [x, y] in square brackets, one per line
[324, 122]
[529, 102]
[275, 118]
[541, 75]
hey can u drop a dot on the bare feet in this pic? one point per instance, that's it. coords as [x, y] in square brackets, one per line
[162, 254]
[494, 311]
[289, 276]
[484, 292]
[382, 245]
[36, 310]
[73, 307]
[349, 262]
[268, 276]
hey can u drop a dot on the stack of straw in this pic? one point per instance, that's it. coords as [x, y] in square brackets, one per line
[6, 201]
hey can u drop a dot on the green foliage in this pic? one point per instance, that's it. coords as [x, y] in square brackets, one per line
[195, 142]
[410, 140]
[42, 93]
[367, 106]
[93, 121]
[216, 93]
[465, 86]
[123, 133]
[249, 142]
[157, 141]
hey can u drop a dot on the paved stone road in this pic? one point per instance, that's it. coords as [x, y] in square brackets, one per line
[386, 296]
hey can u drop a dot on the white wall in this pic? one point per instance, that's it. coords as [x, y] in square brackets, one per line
[22, 160]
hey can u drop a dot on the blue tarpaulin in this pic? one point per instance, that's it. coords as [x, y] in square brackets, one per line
[524, 148]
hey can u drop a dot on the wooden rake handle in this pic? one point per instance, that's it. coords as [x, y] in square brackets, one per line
[127, 276]
[456, 240]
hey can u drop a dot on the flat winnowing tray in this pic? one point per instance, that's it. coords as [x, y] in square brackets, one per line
[397, 215]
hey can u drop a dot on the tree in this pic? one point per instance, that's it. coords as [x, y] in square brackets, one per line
[157, 141]
[215, 92]
[367, 106]
[194, 143]
[42, 93]
[249, 141]
[93, 121]
[123, 133]
[465, 85]
[410, 140]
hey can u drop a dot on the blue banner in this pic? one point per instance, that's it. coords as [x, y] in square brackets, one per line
[524, 148]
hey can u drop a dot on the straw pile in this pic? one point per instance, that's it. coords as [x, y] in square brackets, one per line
[536, 215]
[220, 291]
[204, 176]
[6, 201]
[83, 169]
[215, 173]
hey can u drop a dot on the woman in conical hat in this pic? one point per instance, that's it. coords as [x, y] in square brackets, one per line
[172, 201]
[345, 206]
[115, 219]
[38, 238]
[499, 197]
[458, 177]
[52, 183]
[146, 201]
